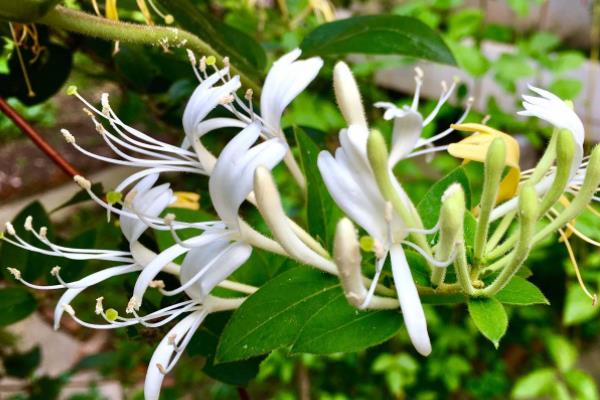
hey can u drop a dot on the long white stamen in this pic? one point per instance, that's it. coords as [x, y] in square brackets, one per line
[443, 98]
[429, 258]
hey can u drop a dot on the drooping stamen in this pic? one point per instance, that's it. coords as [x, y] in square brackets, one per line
[418, 83]
[429, 258]
[593, 297]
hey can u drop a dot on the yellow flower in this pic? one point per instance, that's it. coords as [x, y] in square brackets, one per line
[474, 148]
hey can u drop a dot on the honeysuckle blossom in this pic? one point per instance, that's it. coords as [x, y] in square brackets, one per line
[286, 79]
[350, 180]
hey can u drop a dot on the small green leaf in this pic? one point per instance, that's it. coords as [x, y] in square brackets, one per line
[563, 353]
[534, 384]
[322, 213]
[469, 58]
[464, 23]
[429, 206]
[582, 384]
[578, 307]
[489, 317]
[565, 88]
[338, 327]
[378, 34]
[521, 292]
[16, 303]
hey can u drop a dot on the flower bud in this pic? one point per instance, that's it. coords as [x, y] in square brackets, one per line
[495, 160]
[528, 204]
[348, 95]
[565, 152]
[346, 251]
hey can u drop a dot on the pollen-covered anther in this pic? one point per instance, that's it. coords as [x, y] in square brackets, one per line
[82, 182]
[69, 138]
[55, 271]
[157, 284]
[132, 305]
[99, 307]
[161, 368]
[227, 99]
[169, 219]
[105, 104]
[10, 229]
[202, 65]
[594, 300]
[248, 95]
[191, 56]
[226, 61]
[68, 309]
[444, 86]
[171, 339]
[28, 225]
[43, 232]
[378, 249]
[470, 100]
[14, 272]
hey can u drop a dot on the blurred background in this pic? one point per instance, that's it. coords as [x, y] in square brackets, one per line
[500, 46]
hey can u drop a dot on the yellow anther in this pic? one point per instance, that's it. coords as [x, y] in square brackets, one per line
[187, 200]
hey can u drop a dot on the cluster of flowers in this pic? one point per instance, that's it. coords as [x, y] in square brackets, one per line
[359, 178]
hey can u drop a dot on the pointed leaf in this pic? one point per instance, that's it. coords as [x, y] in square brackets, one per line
[521, 292]
[16, 303]
[489, 317]
[378, 34]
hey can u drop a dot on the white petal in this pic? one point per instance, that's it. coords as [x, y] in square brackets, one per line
[407, 131]
[410, 303]
[226, 263]
[164, 351]
[285, 80]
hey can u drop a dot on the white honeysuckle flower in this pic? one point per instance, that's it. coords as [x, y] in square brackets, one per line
[552, 109]
[220, 250]
[351, 182]
[286, 79]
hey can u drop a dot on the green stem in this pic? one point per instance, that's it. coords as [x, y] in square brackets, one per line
[461, 268]
[546, 161]
[91, 25]
[500, 231]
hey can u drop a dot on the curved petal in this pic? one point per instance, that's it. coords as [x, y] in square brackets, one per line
[285, 80]
[165, 350]
[410, 303]
[406, 134]
[210, 265]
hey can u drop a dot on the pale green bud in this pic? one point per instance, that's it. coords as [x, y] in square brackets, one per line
[495, 160]
[346, 252]
[348, 95]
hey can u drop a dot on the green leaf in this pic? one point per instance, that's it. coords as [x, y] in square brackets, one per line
[469, 58]
[338, 327]
[565, 61]
[32, 265]
[16, 303]
[465, 23]
[521, 292]
[291, 309]
[378, 34]
[578, 307]
[245, 53]
[582, 384]
[429, 206]
[566, 88]
[563, 353]
[323, 214]
[489, 317]
[22, 365]
[205, 343]
[534, 384]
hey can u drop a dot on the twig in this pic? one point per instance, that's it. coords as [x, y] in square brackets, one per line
[243, 393]
[37, 139]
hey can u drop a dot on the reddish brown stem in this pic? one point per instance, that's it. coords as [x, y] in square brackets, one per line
[243, 393]
[36, 138]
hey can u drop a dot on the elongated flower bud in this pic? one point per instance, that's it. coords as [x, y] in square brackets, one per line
[565, 152]
[348, 95]
[268, 202]
[451, 225]
[346, 250]
[495, 161]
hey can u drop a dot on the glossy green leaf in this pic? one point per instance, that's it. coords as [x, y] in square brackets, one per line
[578, 307]
[378, 34]
[16, 303]
[245, 53]
[489, 317]
[322, 213]
[521, 292]
[22, 365]
[339, 327]
[429, 206]
[294, 307]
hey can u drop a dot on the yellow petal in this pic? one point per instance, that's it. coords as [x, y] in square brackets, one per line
[111, 10]
[187, 200]
[145, 11]
[474, 148]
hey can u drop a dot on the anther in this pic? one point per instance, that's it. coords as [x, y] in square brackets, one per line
[202, 65]
[81, 181]
[169, 219]
[157, 284]
[15, 273]
[105, 104]
[99, 306]
[68, 137]
[10, 229]
[68, 309]
[43, 232]
[191, 57]
[132, 305]
[161, 368]
[419, 72]
[248, 95]
[227, 99]
[55, 271]
[28, 225]
[226, 61]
